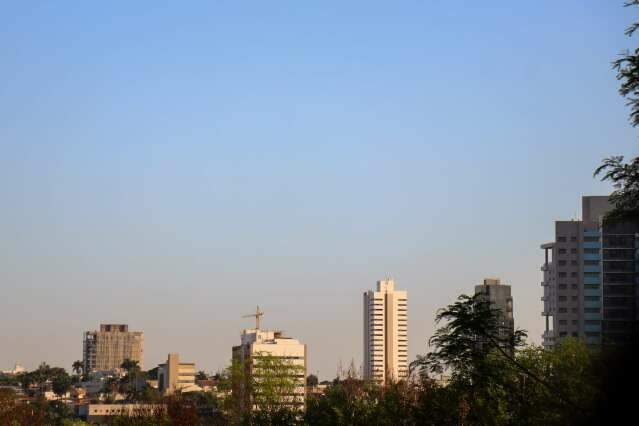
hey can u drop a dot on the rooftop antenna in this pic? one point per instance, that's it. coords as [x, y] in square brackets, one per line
[257, 316]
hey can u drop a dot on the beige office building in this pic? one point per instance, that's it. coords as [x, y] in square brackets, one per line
[176, 376]
[106, 349]
[288, 353]
[385, 333]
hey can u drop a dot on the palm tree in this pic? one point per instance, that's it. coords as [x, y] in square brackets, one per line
[77, 367]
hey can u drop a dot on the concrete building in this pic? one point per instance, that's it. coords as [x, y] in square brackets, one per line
[106, 349]
[620, 281]
[17, 369]
[385, 333]
[286, 354]
[104, 413]
[176, 376]
[572, 276]
[498, 294]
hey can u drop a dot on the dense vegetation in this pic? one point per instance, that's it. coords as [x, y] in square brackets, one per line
[474, 375]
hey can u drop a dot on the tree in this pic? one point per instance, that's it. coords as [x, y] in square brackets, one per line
[264, 389]
[312, 380]
[625, 176]
[472, 331]
[129, 365]
[625, 179]
[627, 67]
[495, 379]
[61, 384]
[201, 375]
[77, 367]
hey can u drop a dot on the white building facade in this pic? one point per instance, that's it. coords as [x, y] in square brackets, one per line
[289, 352]
[385, 333]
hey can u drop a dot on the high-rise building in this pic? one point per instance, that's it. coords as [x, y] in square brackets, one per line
[620, 280]
[106, 349]
[174, 376]
[385, 333]
[265, 356]
[572, 276]
[499, 297]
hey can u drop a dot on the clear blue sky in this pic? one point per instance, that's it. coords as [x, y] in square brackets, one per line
[173, 165]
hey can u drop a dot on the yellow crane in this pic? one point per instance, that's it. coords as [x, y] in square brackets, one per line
[258, 314]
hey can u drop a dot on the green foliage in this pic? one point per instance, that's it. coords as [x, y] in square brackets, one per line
[627, 67]
[77, 367]
[152, 374]
[625, 179]
[61, 384]
[312, 380]
[625, 176]
[471, 332]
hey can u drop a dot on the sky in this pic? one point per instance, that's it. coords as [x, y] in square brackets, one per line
[173, 165]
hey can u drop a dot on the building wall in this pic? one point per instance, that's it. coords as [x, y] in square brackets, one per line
[385, 333]
[572, 277]
[174, 375]
[499, 297]
[256, 343]
[106, 349]
[620, 281]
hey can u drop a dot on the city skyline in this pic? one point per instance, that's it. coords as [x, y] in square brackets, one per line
[172, 167]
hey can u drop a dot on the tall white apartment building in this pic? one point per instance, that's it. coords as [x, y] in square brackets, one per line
[385, 333]
[289, 356]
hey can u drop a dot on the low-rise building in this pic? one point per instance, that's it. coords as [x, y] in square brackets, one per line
[174, 376]
[102, 413]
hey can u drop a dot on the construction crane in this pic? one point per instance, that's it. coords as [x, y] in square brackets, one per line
[258, 314]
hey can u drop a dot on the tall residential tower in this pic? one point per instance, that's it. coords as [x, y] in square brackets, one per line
[106, 349]
[498, 295]
[572, 276]
[385, 333]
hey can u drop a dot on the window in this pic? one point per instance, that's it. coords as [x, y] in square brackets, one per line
[618, 254]
[591, 250]
[591, 239]
[573, 262]
[573, 238]
[574, 298]
[562, 334]
[624, 290]
[562, 298]
[575, 310]
[574, 286]
[562, 310]
[562, 251]
[562, 275]
[562, 286]
[591, 286]
[620, 241]
[574, 334]
[574, 322]
[562, 263]
[592, 298]
[561, 239]
[563, 322]
[591, 322]
[592, 310]
[573, 274]
[573, 250]
[591, 262]
[591, 274]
